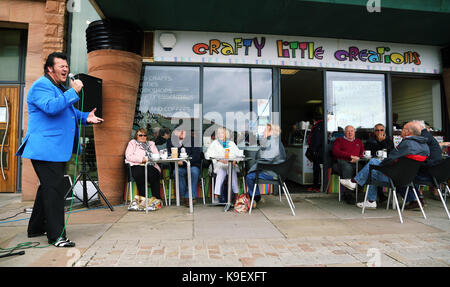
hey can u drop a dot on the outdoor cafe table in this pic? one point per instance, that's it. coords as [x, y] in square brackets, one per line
[230, 161]
[177, 184]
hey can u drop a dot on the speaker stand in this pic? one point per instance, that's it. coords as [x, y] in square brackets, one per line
[83, 174]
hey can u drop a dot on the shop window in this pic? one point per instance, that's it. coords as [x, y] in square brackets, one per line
[168, 97]
[239, 99]
[416, 99]
[9, 55]
[356, 99]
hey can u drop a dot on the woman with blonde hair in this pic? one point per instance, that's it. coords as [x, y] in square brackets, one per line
[138, 151]
[271, 152]
[217, 149]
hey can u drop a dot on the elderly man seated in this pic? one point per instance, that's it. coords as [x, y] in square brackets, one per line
[434, 158]
[413, 146]
[347, 151]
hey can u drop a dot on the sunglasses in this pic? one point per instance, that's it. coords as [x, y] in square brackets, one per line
[142, 135]
[379, 130]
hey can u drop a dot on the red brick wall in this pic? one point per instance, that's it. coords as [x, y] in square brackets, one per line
[46, 22]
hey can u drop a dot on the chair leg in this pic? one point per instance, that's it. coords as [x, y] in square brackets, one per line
[170, 191]
[130, 192]
[213, 200]
[365, 199]
[279, 192]
[289, 194]
[443, 202]
[164, 189]
[418, 201]
[404, 198]
[203, 190]
[126, 195]
[396, 203]
[321, 177]
[447, 190]
[389, 198]
[288, 200]
[253, 198]
[339, 187]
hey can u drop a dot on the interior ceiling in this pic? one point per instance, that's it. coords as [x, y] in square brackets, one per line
[415, 22]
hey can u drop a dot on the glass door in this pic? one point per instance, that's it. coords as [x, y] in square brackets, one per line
[355, 99]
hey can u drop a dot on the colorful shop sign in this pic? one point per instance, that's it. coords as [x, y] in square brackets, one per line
[296, 51]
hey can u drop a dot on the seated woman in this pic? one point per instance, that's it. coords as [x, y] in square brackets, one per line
[271, 152]
[217, 150]
[138, 151]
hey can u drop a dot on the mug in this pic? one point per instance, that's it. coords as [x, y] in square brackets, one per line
[385, 154]
[174, 152]
[379, 153]
[241, 152]
[367, 153]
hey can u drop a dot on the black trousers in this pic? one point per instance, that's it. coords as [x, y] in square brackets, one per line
[48, 208]
[346, 169]
[316, 174]
[153, 177]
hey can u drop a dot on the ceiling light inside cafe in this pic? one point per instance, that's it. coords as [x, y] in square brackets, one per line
[289, 71]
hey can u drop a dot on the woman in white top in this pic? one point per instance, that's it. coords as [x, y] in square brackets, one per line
[217, 150]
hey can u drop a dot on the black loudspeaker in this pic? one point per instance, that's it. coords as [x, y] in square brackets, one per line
[92, 88]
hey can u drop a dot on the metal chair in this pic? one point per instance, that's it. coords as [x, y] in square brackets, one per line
[130, 181]
[207, 163]
[440, 174]
[400, 173]
[282, 171]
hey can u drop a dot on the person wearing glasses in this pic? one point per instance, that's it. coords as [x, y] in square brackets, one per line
[138, 151]
[379, 141]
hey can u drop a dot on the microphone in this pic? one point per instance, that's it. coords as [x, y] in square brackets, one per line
[71, 77]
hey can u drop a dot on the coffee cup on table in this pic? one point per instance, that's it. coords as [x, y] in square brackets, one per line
[367, 153]
[379, 153]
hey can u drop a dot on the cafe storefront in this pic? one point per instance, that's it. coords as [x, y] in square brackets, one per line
[243, 81]
[273, 65]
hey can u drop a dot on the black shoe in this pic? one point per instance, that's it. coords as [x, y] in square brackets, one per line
[63, 242]
[382, 198]
[413, 205]
[30, 235]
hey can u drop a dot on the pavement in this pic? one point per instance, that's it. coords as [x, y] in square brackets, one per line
[324, 232]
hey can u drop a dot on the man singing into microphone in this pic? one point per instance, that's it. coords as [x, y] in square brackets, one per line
[51, 138]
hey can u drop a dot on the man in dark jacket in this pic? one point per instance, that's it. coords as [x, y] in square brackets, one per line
[412, 146]
[434, 158]
[315, 143]
[178, 140]
[379, 141]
